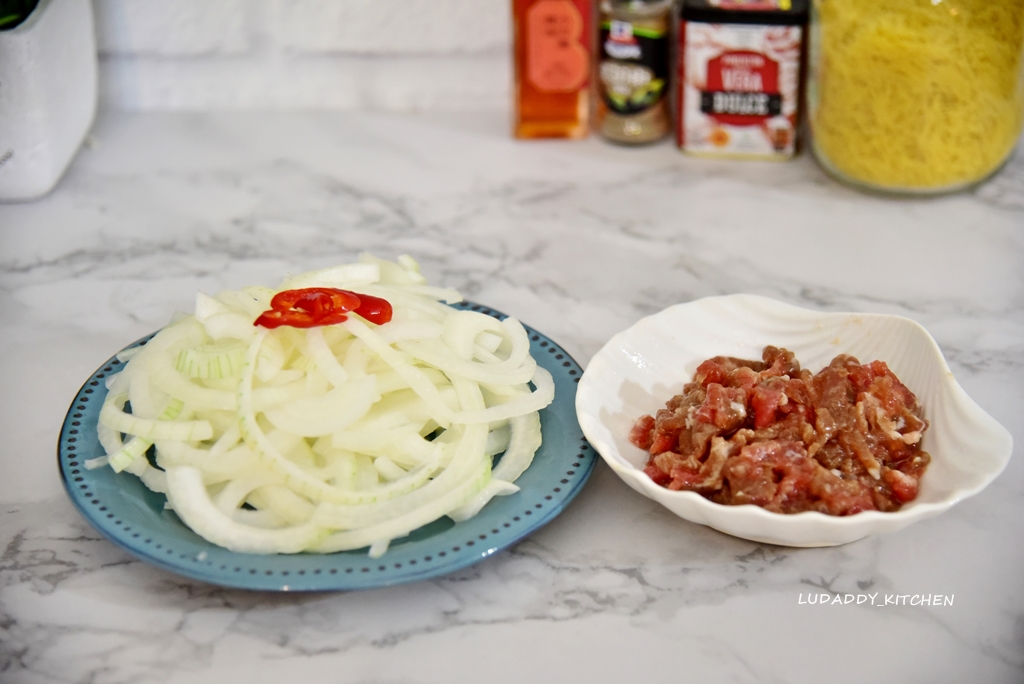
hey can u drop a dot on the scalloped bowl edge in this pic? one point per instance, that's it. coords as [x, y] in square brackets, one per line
[962, 465]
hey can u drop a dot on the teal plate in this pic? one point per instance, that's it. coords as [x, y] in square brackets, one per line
[122, 509]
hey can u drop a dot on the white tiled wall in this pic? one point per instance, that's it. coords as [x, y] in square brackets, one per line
[395, 55]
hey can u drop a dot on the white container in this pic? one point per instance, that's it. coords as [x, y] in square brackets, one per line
[47, 96]
[643, 366]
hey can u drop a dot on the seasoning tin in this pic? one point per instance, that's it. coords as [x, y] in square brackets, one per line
[739, 74]
[634, 41]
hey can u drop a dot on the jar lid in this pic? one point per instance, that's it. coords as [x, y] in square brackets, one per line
[641, 7]
[771, 12]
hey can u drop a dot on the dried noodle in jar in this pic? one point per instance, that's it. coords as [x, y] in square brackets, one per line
[916, 96]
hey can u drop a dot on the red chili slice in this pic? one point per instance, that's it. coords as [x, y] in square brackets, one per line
[374, 309]
[309, 307]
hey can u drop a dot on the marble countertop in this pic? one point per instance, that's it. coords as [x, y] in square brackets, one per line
[579, 240]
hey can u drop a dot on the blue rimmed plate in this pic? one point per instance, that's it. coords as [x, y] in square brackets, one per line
[122, 509]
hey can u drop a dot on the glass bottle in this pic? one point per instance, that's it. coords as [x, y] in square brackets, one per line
[552, 55]
[915, 96]
[632, 75]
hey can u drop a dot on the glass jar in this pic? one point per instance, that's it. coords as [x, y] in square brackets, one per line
[632, 71]
[915, 96]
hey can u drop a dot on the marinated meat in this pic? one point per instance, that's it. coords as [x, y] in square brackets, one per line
[770, 433]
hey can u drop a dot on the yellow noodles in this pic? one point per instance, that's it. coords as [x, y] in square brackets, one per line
[917, 94]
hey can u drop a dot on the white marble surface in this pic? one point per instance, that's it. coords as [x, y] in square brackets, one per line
[579, 240]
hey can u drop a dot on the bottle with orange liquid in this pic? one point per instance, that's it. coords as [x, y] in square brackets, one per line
[552, 56]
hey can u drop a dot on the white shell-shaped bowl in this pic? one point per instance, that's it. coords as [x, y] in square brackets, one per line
[641, 368]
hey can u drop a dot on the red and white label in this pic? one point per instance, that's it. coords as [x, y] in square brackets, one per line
[738, 89]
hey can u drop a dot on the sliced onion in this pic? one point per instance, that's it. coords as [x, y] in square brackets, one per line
[154, 429]
[350, 436]
[190, 501]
